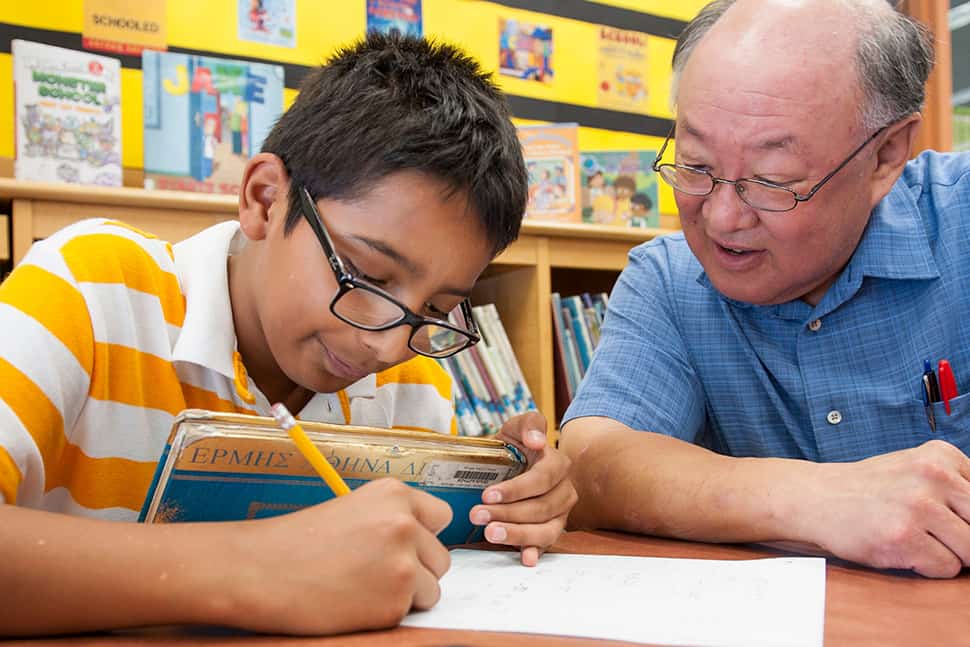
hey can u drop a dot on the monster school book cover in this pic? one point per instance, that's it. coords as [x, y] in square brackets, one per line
[67, 115]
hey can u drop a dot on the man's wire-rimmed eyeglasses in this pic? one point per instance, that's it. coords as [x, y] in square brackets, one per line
[760, 194]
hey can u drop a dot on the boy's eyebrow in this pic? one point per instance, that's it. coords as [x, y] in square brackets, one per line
[383, 248]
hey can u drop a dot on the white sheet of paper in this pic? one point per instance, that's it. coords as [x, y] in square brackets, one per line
[775, 601]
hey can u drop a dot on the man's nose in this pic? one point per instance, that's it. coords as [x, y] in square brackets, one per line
[725, 211]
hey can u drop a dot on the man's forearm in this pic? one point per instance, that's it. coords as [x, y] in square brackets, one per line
[64, 574]
[649, 483]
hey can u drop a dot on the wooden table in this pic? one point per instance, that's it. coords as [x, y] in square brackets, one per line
[862, 608]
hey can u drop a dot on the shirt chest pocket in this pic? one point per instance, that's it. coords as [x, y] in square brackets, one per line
[953, 428]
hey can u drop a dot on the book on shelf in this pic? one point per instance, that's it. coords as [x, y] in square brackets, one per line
[204, 117]
[552, 160]
[619, 188]
[576, 322]
[488, 382]
[67, 115]
[232, 467]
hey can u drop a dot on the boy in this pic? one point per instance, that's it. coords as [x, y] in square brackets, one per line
[403, 152]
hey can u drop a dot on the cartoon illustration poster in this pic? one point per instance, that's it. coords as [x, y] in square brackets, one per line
[403, 16]
[68, 115]
[623, 72]
[525, 50]
[552, 160]
[204, 118]
[619, 188]
[272, 22]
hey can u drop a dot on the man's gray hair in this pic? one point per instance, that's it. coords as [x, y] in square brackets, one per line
[894, 57]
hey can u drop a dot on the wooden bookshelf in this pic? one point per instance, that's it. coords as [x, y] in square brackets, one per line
[546, 257]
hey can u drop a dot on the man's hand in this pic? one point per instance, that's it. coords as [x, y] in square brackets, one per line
[530, 510]
[361, 561]
[909, 509]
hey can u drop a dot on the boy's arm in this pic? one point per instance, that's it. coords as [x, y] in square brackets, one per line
[358, 562]
[908, 509]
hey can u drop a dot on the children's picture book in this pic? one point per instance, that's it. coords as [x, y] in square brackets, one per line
[525, 50]
[204, 118]
[401, 16]
[272, 22]
[623, 71]
[552, 160]
[232, 467]
[67, 115]
[619, 188]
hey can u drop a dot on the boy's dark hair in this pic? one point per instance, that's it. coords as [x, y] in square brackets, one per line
[390, 103]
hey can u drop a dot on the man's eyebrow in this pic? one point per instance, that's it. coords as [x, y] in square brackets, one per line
[781, 143]
[785, 142]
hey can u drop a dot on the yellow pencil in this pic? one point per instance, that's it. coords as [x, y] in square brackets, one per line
[310, 452]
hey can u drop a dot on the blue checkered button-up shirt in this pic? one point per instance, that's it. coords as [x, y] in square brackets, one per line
[840, 381]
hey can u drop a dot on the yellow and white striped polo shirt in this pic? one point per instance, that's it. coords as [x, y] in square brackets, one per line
[106, 333]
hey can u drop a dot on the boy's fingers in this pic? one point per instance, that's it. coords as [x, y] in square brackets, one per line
[433, 513]
[524, 534]
[552, 504]
[536, 481]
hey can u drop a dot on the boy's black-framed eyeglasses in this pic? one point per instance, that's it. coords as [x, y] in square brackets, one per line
[368, 307]
[760, 194]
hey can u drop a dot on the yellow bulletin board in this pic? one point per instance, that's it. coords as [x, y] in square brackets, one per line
[210, 27]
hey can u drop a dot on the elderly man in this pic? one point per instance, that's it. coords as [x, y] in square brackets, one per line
[760, 377]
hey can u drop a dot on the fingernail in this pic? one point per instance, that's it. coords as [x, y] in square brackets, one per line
[480, 517]
[492, 496]
[496, 533]
[536, 437]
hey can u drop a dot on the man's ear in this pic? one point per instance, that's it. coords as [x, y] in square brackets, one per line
[893, 153]
[262, 194]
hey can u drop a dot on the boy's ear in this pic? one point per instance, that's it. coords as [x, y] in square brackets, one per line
[265, 183]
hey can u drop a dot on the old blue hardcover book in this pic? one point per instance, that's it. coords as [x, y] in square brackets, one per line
[231, 467]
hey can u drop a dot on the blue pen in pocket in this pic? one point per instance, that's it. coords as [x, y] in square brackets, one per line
[928, 403]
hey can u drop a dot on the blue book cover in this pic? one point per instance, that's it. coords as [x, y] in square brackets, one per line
[204, 117]
[230, 467]
[388, 16]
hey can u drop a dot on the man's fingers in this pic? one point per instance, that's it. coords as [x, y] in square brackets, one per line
[931, 558]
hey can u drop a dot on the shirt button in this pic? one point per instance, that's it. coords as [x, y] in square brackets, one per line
[834, 417]
[815, 325]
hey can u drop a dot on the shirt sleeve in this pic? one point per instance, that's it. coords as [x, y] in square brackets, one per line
[641, 374]
[46, 358]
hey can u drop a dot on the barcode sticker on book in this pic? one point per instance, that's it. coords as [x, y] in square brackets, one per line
[469, 475]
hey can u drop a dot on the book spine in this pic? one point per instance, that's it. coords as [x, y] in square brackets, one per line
[580, 334]
[521, 385]
[468, 425]
[480, 399]
[503, 373]
[475, 406]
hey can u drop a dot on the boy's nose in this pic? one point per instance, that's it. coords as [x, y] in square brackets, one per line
[388, 346]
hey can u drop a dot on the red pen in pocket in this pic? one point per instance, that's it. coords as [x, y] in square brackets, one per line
[948, 385]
